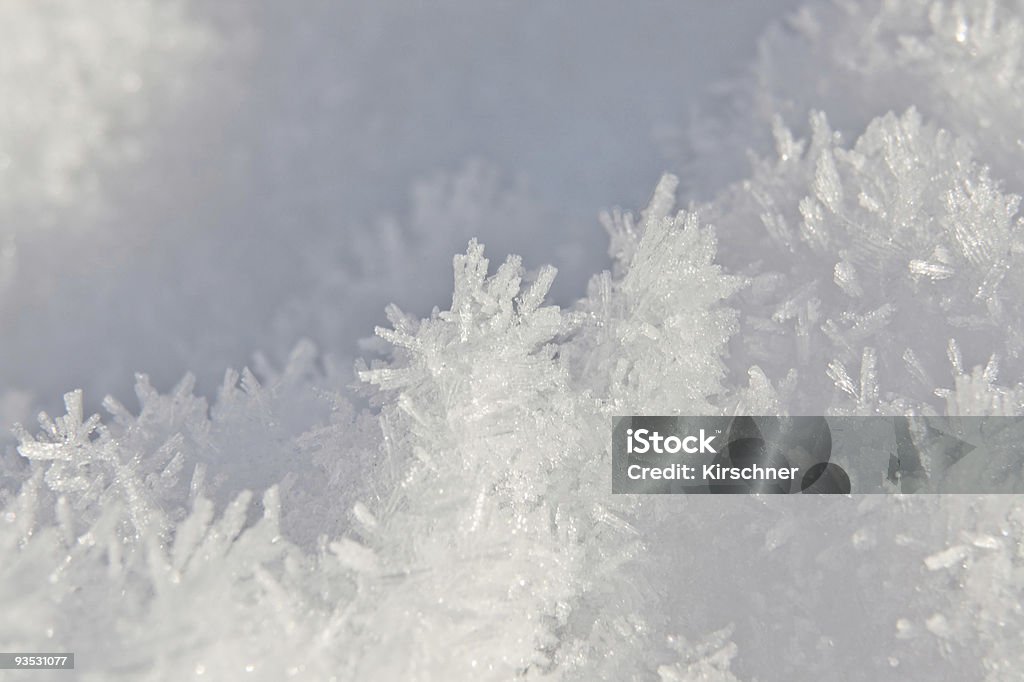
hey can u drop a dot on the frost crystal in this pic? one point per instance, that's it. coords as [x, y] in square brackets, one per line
[503, 518]
[451, 516]
[655, 331]
[864, 246]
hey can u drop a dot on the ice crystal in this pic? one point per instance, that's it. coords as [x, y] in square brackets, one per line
[864, 245]
[655, 331]
[451, 517]
[503, 518]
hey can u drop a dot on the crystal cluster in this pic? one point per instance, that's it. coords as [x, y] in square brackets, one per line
[451, 517]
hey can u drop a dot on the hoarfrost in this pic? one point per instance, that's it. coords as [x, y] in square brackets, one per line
[459, 525]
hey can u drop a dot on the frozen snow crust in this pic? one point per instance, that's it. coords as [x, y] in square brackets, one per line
[450, 517]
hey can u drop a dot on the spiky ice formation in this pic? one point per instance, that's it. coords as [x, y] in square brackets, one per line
[854, 250]
[463, 527]
[484, 543]
[960, 64]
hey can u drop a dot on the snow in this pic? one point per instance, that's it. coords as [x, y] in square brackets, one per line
[192, 184]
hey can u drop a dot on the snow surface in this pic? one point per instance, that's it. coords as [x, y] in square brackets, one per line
[187, 184]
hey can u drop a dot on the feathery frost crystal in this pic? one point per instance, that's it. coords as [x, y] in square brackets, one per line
[451, 516]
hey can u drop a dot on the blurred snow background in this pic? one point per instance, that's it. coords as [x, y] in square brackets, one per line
[183, 185]
[187, 183]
